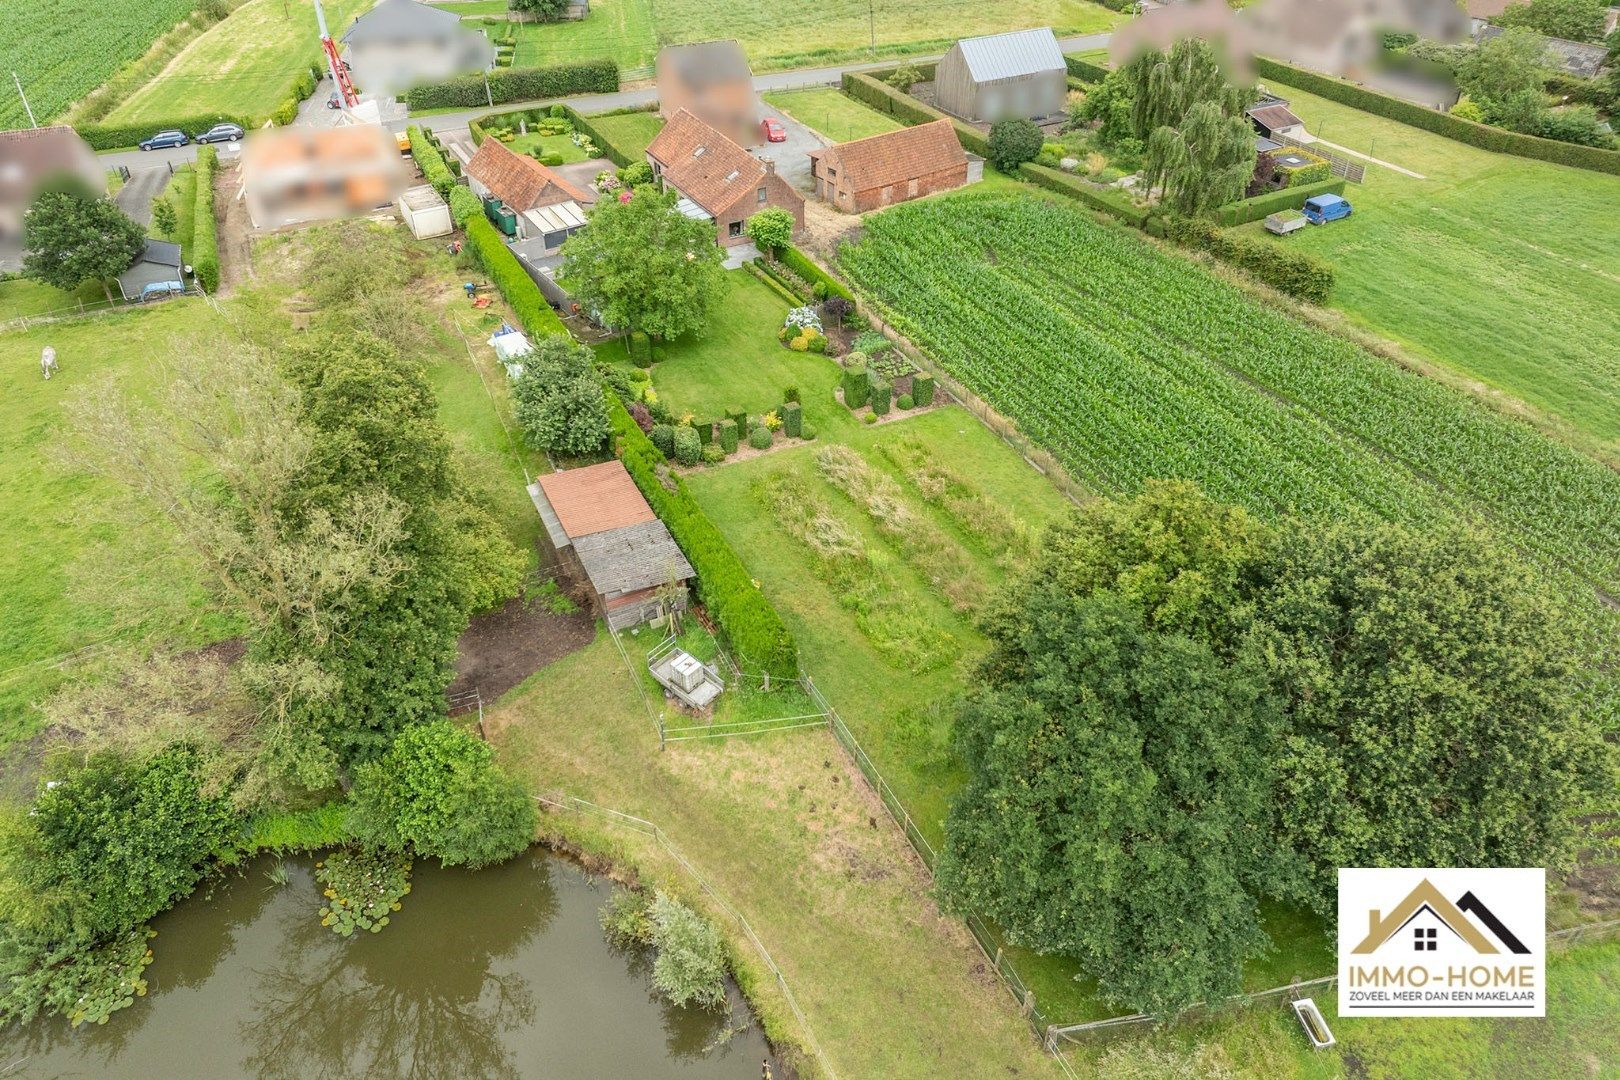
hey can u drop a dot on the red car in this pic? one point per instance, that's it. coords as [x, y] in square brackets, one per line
[774, 131]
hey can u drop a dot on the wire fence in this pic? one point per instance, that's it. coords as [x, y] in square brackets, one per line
[564, 802]
[82, 310]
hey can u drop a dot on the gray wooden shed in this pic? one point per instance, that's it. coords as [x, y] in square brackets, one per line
[1002, 76]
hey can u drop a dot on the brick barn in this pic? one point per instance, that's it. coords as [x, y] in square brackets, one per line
[871, 173]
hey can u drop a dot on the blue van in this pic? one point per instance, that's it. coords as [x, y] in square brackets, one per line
[1321, 209]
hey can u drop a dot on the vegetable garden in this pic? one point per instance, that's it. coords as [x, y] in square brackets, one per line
[1129, 364]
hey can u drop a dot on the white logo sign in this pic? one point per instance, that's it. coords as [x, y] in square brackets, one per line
[1440, 942]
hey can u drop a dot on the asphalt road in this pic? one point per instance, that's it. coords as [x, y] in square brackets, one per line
[585, 103]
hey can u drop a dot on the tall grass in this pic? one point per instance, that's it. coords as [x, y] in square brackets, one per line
[993, 528]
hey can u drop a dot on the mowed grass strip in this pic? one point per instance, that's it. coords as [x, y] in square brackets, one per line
[1502, 269]
[243, 65]
[832, 113]
[629, 133]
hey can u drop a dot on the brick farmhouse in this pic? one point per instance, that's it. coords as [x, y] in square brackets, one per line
[717, 179]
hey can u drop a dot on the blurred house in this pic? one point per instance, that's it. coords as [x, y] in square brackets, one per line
[907, 163]
[532, 203]
[1019, 74]
[718, 180]
[712, 81]
[32, 156]
[291, 175]
[403, 43]
[1345, 37]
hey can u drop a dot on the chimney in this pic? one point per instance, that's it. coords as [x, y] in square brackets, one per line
[770, 165]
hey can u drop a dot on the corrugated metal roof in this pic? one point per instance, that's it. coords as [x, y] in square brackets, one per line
[1007, 56]
[557, 217]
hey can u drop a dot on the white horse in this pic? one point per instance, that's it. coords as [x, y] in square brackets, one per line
[47, 362]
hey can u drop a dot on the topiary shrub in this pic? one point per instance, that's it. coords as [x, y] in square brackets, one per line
[879, 393]
[792, 419]
[807, 432]
[737, 416]
[869, 418]
[705, 430]
[713, 454]
[688, 447]
[815, 342]
[790, 394]
[760, 438]
[857, 389]
[640, 348]
[728, 436]
[922, 390]
[663, 437]
[904, 402]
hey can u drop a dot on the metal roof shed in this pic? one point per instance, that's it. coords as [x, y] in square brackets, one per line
[1002, 76]
[157, 265]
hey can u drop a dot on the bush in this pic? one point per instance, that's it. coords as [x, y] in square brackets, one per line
[790, 393]
[1110, 201]
[552, 159]
[1293, 272]
[713, 454]
[1447, 125]
[640, 349]
[1315, 173]
[557, 400]
[464, 205]
[869, 418]
[204, 235]
[738, 417]
[727, 435]
[518, 84]
[663, 437]
[878, 392]
[688, 447]
[760, 438]
[705, 430]
[1013, 142]
[922, 390]
[431, 162]
[807, 432]
[792, 419]
[1288, 198]
[904, 403]
[857, 390]
[746, 618]
[691, 965]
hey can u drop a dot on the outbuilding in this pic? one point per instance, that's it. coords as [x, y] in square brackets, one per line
[599, 524]
[534, 202]
[1274, 120]
[907, 163]
[156, 272]
[1003, 76]
[426, 213]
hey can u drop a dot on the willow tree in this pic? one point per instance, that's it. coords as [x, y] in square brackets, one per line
[1200, 148]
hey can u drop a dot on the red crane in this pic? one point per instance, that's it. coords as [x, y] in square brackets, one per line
[340, 73]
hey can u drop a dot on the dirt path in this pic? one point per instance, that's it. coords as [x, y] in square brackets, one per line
[235, 229]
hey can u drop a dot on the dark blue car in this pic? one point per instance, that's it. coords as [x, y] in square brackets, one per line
[165, 139]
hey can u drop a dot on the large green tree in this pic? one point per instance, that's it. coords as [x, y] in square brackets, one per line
[557, 400]
[1505, 78]
[70, 237]
[1200, 147]
[643, 265]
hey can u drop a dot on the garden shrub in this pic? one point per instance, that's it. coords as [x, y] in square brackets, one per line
[737, 416]
[640, 348]
[705, 430]
[1013, 142]
[663, 437]
[746, 618]
[600, 76]
[431, 162]
[552, 159]
[760, 438]
[688, 447]
[922, 390]
[1293, 272]
[815, 341]
[728, 436]
[1264, 205]
[205, 231]
[792, 419]
[790, 393]
[904, 403]
[857, 389]
[878, 392]
[869, 418]
[557, 400]
[713, 454]
[807, 432]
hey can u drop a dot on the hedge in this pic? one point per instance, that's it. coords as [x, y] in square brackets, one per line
[1483, 136]
[509, 276]
[922, 390]
[600, 76]
[1110, 201]
[204, 236]
[792, 419]
[762, 271]
[727, 435]
[745, 617]
[878, 392]
[120, 136]
[856, 387]
[431, 162]
[464, 205]
[867, 87]
[1085, 70]
[1288, 198]
[612, 153]
[1292, 272]
[796, 261]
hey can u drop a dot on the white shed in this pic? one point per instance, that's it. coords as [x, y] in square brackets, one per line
[1003, 76]
[425, 212]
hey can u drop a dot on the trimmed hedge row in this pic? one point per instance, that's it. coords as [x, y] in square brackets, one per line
[583, 124]
[1484, 136]
[509, 276]
[302, 87]
[431, 162]
[120, 136]
[1085, 70]
[746, 618]
[1288, 198]
[464, 205]
[796, 261]
[1292, 272]
[1113, 202]
[867, 87]
[205, 237]
[600, 76]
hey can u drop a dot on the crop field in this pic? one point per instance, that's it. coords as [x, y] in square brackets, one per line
[242, 65]
[831, 112]
[63, 49]
[1127, 363]
[1470, 271]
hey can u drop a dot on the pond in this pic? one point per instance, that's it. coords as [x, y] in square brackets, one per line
[499, 973]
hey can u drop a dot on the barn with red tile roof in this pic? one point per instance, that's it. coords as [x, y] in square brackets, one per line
[870, 173]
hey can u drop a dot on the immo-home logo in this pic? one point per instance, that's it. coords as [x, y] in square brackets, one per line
[1442, 942]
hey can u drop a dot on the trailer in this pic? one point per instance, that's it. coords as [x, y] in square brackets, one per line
[1285, 222]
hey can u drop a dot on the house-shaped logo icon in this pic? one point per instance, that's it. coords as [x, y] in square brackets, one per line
[1426, 913]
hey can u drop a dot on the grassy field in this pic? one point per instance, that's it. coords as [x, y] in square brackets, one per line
[244, 65]
[548, 144]
[832, 113]
[1503, 269]
[63, 49]
[792, 33]
[20, 296]
[629, 132]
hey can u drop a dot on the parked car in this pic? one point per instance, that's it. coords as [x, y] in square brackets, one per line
[774, 131]
[1321, 209]
[165, 139]
[221, 133]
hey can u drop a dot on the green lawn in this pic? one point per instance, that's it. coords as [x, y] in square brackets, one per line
[629, 133]
[20, 296]
[243, 65]
[832, 113]
[1502, 269]
[548, 144]
[621, 29]
[469, 8]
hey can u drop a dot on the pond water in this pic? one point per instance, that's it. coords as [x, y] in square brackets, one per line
[499, 973]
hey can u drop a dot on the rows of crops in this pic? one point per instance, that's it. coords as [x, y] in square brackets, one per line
[63, 49]
[1128, 364]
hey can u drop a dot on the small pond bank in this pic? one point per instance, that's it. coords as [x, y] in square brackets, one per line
[499, 973]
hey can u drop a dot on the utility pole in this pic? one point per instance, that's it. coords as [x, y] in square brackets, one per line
[31, 121]
[871, 25]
